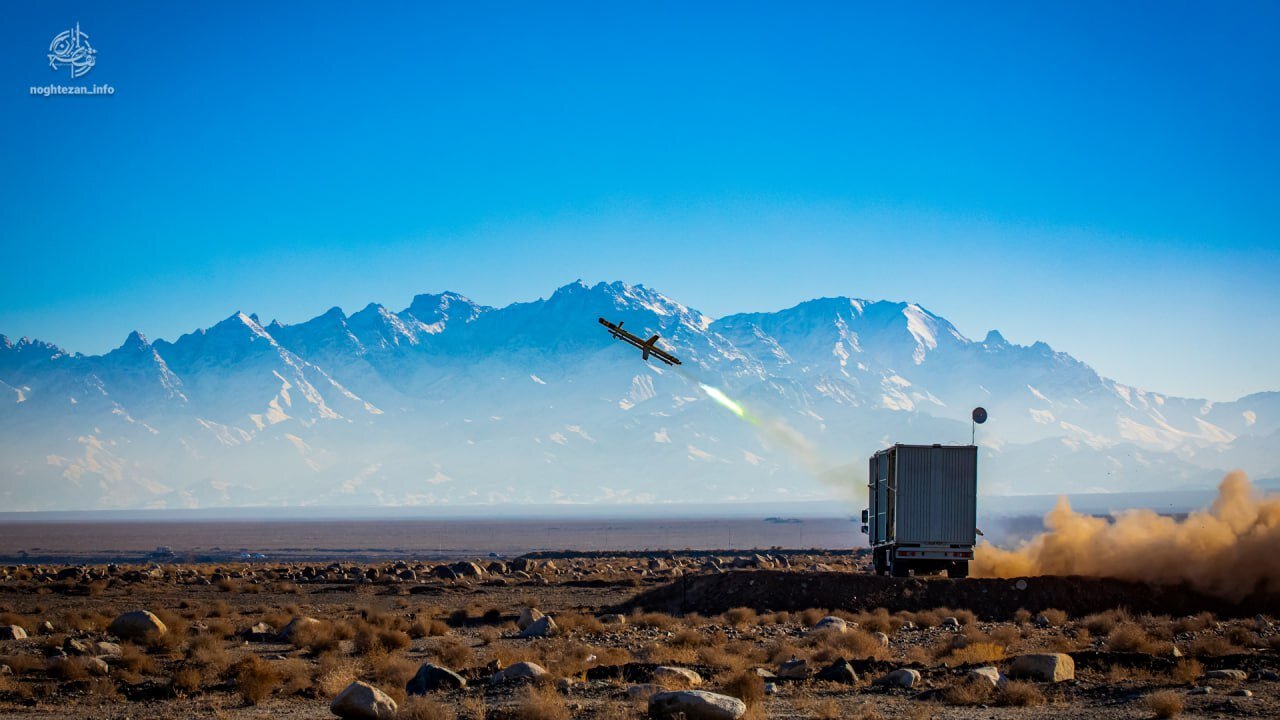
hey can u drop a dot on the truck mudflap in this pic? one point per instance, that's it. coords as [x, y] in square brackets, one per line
[929, 553]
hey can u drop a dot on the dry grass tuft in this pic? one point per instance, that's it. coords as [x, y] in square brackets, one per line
[1187, 671]
[571, 621]
[975, 653]
[1017, 693]
[969, 692]
[537, 702]
[747, 687]
[1129, 637]
[255, 679]
[424, 708]
[1165, 703]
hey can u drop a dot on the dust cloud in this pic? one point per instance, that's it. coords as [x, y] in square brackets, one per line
[1230, 549]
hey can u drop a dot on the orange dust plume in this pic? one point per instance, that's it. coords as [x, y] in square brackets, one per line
[1230, 549]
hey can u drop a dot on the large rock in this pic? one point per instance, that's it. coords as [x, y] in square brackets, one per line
[434, 677]
[12, 632]
[1229, 674]
[990, 674]
[1045, 667]
[831, 623]
[696, 705]
[902, 677]
[881, 638]
[676, 677]
[296, 624]
[528, 616]
[542, 627]
[362, 701]
[518, 671]
[137, 625]
[839, 671]
[793, 669]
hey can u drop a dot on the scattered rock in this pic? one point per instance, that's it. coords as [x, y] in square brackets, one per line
[542, 627]
[261, 632]
[990, 674]
[1242, 692]
[137, 625]
[950, 622]
[97, 666]
[881, 638]
[644, 691]
[793, 669]
[45, 628]
[528, 616]
[613, 619]
[1269, 675]
[518, 671]
[72, 646]
[434, 677]
[1206, 690]
[1045, 667]
[362, 701]
[838, 671]
[107, 650]
[1232, 674]
[5, 670]
[902, 677]
[12, 632]
[696, 705]
[1042, 620]
[676, 677]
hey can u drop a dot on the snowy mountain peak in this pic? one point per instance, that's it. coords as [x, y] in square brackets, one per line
[135, 342]
[994, 339]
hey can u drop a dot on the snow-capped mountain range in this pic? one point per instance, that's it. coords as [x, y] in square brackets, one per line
[452, 402]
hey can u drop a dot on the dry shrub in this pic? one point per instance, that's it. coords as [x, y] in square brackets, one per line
[746, 686]
[255, 678]
[878, 620]
[472, 708]
[427, 627]
[1240, 635]
[1129, 637]
[539, 702]
[984, 653]
[661, 621]
[424, 708]
[740, 617]
[810, 617]
[1213, 645]
[103, 688]
[22, 663]
[1005, 635]
[317, 638]
[1104, 622]
[390, 671]
[1186, 671]
[454, 653]
[1194, 623]
[333, 674]
[570, 621]
[1017, 693]
[186, 680]
[1117, 674]
[969, 692]
[1165, 703]
[687, 638]
[1056, 617]
[1022, 616]
[489, 635]
[295, 676]
[375, 640]
[856, 643]
[133, 659]
[718, 656]
[924, 618]
[821, 709]
[67, 669]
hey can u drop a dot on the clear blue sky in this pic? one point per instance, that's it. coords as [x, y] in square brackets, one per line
[1103, 176]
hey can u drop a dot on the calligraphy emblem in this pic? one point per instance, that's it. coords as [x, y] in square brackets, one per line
[71, 49]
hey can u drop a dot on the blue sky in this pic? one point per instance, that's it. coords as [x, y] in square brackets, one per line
[1102, 176]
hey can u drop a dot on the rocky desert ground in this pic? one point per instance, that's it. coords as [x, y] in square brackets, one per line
[546, 637]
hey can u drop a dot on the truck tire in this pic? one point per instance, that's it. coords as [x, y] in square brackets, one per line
[958, 570]
[878, 562]
[899, 568]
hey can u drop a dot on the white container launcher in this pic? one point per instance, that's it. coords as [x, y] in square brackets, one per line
[922, 512]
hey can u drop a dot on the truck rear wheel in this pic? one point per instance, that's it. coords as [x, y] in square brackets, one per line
[899, 568]
[958, 570]
[878, 561]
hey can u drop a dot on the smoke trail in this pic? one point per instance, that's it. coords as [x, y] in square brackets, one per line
[1230, 549]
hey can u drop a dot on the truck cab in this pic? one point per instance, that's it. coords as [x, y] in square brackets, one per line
[922, 509]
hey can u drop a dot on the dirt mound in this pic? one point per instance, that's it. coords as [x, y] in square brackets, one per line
[991, 599]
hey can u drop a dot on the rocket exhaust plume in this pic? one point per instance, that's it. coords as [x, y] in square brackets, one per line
[1230, 549]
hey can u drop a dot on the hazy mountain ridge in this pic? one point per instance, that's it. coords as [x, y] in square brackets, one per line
[452, 401]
